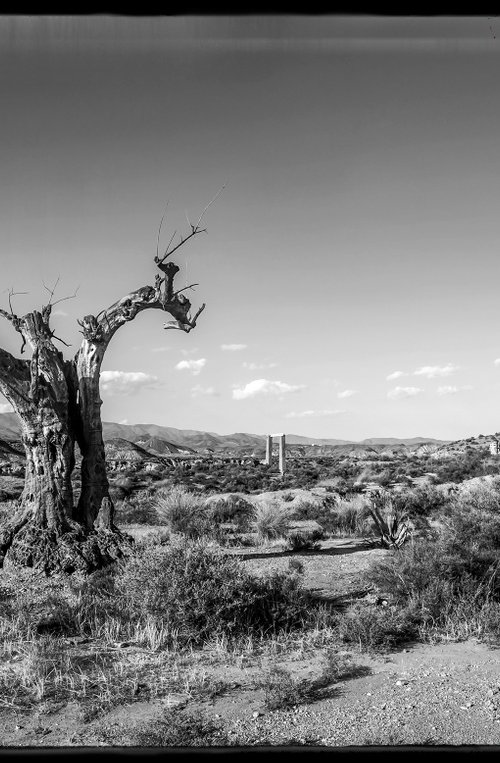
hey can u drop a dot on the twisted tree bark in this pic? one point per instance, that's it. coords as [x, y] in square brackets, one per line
[59, 405]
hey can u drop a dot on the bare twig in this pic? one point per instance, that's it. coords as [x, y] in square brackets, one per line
[210, 204]
[13, 293]
[195, 229]
[191, 286]
[53, 336]
[52, 291]
[63, 299]
[159, 231]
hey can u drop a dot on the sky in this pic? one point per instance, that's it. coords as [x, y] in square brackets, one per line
[351, 265]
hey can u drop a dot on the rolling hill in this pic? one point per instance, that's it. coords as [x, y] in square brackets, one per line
[191, 440]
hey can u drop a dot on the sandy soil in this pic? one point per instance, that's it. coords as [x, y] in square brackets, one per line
[427, 694]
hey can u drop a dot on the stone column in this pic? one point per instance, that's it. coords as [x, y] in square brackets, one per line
[282, 454]
[269, 450]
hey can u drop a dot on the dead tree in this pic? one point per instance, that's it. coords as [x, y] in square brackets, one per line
[59, 406]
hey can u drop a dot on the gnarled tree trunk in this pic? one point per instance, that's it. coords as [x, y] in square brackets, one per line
[59, 405]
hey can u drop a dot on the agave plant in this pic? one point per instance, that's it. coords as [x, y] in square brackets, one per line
[390, 520]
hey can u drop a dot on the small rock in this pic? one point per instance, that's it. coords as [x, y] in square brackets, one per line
[256, 714]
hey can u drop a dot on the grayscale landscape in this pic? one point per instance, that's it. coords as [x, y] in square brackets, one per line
[249, 458]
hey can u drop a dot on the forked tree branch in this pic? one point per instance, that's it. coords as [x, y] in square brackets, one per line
[195, 229]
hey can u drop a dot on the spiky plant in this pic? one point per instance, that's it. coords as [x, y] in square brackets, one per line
[390, 520]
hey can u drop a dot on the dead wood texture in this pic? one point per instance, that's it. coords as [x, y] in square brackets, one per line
[59, 406]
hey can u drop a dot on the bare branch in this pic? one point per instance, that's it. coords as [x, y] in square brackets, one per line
[52, 291]
[209, 205]
[195, 229]
[12, 317]
[63, 299]
[159, 231]
[13, 293]
[191, 286]
[53, 336]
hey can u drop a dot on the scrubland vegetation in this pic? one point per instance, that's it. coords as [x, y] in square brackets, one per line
[185, 602]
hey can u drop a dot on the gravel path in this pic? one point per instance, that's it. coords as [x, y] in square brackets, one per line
[434, 694]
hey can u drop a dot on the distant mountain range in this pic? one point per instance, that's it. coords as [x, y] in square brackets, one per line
[174, 440]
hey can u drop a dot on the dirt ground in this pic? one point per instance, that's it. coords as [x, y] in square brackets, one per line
[445, 694]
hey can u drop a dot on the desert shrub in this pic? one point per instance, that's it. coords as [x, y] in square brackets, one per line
[282, 690]
[352, 516]
[231, 508]
[322, 513]
[452, 577]
[271, 520]
[421, 502]
[304, 540]
[197, 592]
[462, 467]
[183, 512]
[98, 599]
[479, 494]
[137, 509]
[377, 628]
[175, 729]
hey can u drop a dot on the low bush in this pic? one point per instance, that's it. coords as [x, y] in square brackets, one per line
[304, 540]
[282, 690]
[136, 509]
[451, 579]
[176, 729]
[377, 628]
[271, 520]
[352, 516]
[183, 512]
[421, 502]
[322, 513]
[195, 593]
[231, 508]
[337, 516]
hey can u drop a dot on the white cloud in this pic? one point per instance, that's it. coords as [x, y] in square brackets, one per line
[452, 390]
[194, 366]
[306, 414]
[396, 375]
[233, 347]
[126, 382]
[6, 408]
[346, 393]
[258, 366]
[401, 392]
[189, 352]
[205, 391]
[123, 421]
[433, 371]
[265, 387]
[497, 362]
[160, 349]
